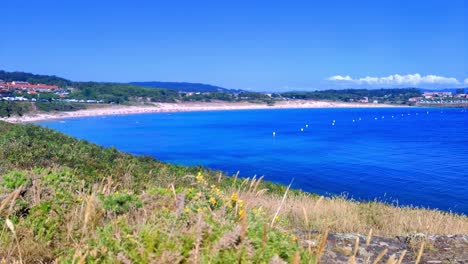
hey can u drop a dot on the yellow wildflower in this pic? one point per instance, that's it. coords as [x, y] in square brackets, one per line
[215, 189]
[234, 197]
[200, 179]
[241, 213]
[213, 201]
[293, 238]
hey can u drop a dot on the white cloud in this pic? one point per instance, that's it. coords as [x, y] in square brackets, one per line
[340, 78]
[397, 79]
[466, 81]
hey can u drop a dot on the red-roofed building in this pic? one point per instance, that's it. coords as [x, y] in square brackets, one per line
[415, 99]
[35, 87]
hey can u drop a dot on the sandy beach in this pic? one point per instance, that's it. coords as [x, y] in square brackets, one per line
[184, 107]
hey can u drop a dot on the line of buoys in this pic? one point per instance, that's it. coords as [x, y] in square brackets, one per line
[333, 123]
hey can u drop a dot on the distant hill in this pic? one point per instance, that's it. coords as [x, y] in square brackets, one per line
[185, 87]
[34, 78]
[55, 80]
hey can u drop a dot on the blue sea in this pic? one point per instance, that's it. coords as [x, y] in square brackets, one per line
[405, 156]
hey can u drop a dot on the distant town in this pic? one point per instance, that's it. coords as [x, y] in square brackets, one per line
[442, 98]
[24, 91]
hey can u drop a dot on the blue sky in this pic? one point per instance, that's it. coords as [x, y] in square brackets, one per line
[258, 45]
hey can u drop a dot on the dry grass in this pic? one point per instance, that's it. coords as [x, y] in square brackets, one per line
[420, 253]
[344, 216]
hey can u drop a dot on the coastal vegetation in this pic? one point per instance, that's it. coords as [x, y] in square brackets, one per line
[387, 96]
[71, 201]
[8, 109]
[121, 93]
[58, 106]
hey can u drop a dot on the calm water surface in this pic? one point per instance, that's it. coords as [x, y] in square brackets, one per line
[407, 156]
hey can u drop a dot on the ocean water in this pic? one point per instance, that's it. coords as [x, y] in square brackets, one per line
[406, 156]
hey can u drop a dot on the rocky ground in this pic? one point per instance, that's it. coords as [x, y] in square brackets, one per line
[437, 249]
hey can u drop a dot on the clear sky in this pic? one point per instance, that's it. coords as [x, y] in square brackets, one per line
[258, 45]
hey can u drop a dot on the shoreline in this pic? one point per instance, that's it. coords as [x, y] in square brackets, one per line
[186, 107]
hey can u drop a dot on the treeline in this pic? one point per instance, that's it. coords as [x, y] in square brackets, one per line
[12, 108]
[34, 78]
[227, 96]
[8, 109]
[121, 93]
[390, 96]
[59, 106]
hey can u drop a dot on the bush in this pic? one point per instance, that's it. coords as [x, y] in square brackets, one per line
[14, 179]
[120, 203]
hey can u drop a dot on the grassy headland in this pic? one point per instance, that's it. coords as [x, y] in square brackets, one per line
[72, 201]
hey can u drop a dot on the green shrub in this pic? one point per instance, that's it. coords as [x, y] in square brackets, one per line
[14, 179]
[120, 203]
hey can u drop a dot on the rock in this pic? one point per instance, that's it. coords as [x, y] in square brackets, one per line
[309, 243]
[438, 249]
[383, 244]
